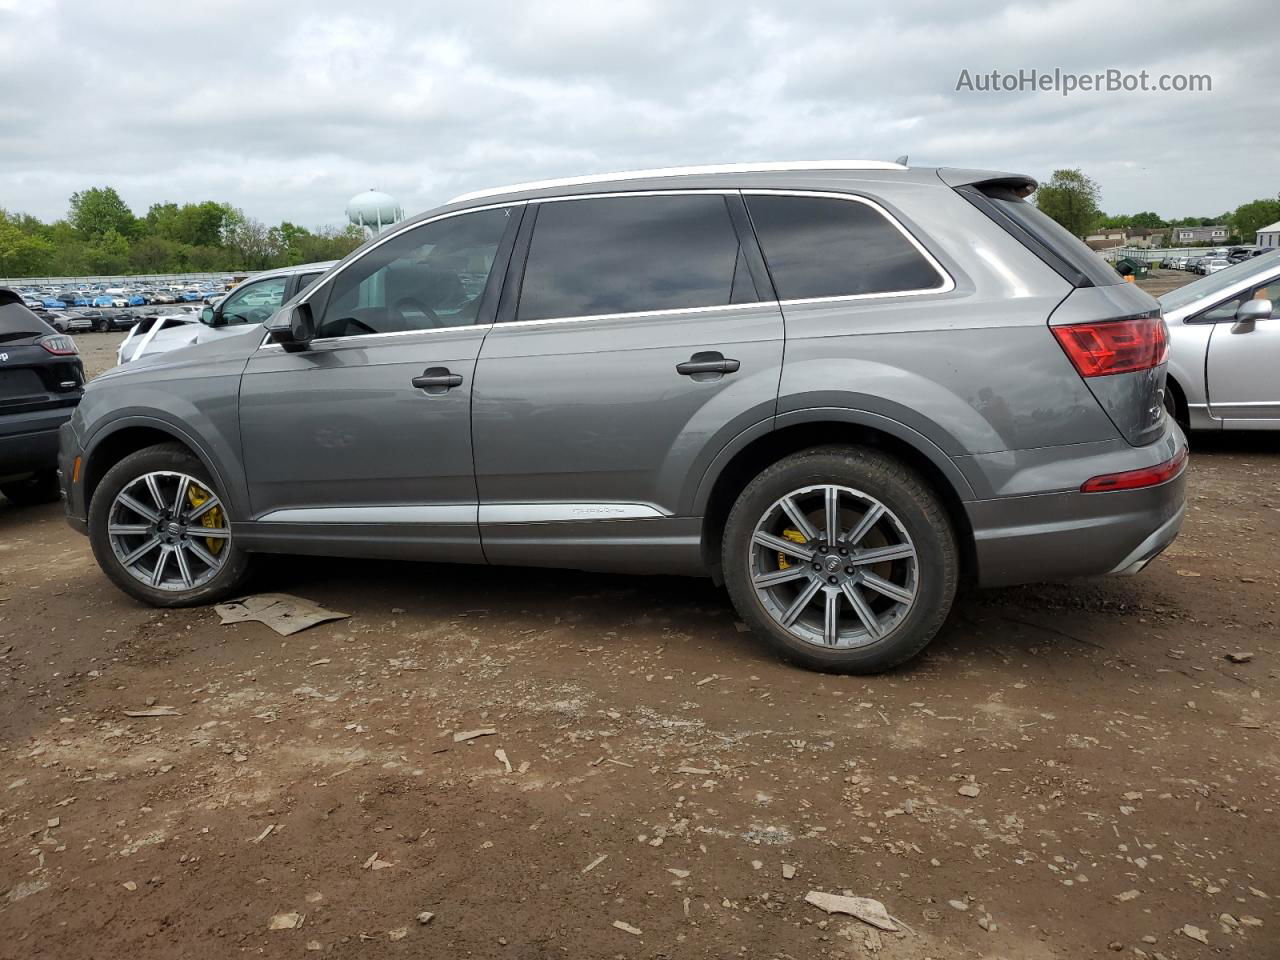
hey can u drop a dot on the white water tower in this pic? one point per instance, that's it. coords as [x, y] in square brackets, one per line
[374, 211]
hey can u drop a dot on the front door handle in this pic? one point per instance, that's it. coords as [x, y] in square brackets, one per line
[436, 380]
[711, 365]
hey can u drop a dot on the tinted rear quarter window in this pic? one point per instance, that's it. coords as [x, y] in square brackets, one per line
[1043, 236]
[612, 255]
[829, 247]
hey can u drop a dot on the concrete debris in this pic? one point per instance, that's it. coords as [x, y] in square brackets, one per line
[595, 863]
[1195, 933]
[501, 756]
[425, 917]
[788, 871]
[375, 863]
[969, 790]
[958, 904]
[153, 712]
[286, 921]
[264, 834]
[399, 933]
[1241, 656]
[694, 771]
[462, 736]
[677, 872]
[627, 928]
[1128, 895]
[864, 908]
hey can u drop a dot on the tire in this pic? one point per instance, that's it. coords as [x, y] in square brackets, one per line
[1174, 409]
[888, 629]
[206, 582]
[41, 488]
[104, 325]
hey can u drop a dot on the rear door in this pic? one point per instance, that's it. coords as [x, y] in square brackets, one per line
[641, 337]
[1241, 369]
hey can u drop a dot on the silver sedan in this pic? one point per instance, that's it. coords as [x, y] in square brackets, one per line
[1224, 348]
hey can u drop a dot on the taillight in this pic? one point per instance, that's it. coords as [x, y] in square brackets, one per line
[1115, 346]
[59, 344]
[1136, 479]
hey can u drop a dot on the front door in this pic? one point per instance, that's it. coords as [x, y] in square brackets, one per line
[643, 338]
[364, 438]
[1243, 367]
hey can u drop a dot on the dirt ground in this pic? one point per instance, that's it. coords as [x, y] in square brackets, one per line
[662, 771]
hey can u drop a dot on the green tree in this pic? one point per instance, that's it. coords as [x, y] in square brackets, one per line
[21, 254]
[1070, 198]
[1147, 219]
[98, 211]
[1248, 218]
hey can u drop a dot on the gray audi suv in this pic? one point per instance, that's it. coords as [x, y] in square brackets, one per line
[838, 388]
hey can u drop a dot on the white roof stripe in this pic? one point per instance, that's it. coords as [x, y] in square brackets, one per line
[1270, 228]
[685, 172]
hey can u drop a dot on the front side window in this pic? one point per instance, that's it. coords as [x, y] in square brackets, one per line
[425, 278]
[253, 302]
[633, 254]
[828, 247]
[1225, 312]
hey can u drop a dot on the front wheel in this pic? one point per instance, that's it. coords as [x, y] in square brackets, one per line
[159, 529]
[843, 558]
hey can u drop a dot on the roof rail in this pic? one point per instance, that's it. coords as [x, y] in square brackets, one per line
[685, 172]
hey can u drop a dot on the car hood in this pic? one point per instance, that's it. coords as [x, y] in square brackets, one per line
[239, 345]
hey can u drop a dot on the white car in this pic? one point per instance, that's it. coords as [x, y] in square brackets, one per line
[1213, 266]
[1224, 348]
[248, 305]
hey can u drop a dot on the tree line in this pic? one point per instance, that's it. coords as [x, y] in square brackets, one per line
[101, 235]
[1072, 198]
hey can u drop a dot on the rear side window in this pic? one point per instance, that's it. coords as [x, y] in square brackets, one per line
[633, 255]
[828, 247]
[1043, 236]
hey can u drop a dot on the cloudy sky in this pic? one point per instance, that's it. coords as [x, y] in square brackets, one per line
[286, 110]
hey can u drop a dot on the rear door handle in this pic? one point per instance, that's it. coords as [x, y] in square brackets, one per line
[707, 366]
[437, 380]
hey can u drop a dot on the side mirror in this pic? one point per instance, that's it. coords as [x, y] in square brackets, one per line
[207, 317]
[292, 328]
[1252, 310]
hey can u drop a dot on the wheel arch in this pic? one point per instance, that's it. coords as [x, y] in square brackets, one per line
[742, 460]
[130, 435]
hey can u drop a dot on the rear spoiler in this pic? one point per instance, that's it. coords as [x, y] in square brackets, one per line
[1018, 183]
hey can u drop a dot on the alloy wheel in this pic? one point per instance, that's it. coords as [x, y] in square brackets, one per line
[833, 566]
[169, 531]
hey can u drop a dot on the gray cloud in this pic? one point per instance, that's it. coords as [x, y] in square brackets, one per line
[287, 110]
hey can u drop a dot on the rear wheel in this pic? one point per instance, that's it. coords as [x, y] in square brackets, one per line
[160, 530]
[104, 325]
[843, 558]
[41, 488]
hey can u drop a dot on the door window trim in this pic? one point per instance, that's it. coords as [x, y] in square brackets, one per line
[509, 307]
[390, 235]
[948, 281]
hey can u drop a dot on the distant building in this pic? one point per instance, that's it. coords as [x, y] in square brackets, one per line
[1269, 236]
[1212, 234]
[1125, 237]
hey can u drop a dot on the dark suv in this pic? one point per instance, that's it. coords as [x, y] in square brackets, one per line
[41, 380]
[839, 388]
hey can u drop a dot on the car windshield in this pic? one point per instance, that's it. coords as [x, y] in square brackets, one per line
[1221, 280]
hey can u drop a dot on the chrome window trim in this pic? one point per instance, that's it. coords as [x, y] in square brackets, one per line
[948, 281]
[636, 313]
[689, 171]
[364, 337]
[403, 227]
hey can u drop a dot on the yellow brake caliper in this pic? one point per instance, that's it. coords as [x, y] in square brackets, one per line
[196, 496]
[795, 536]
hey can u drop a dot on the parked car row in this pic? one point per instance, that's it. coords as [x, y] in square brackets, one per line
[102, 296]
[1211, 261]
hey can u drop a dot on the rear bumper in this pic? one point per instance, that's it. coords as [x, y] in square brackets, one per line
[1050, 536]
[29, 442]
